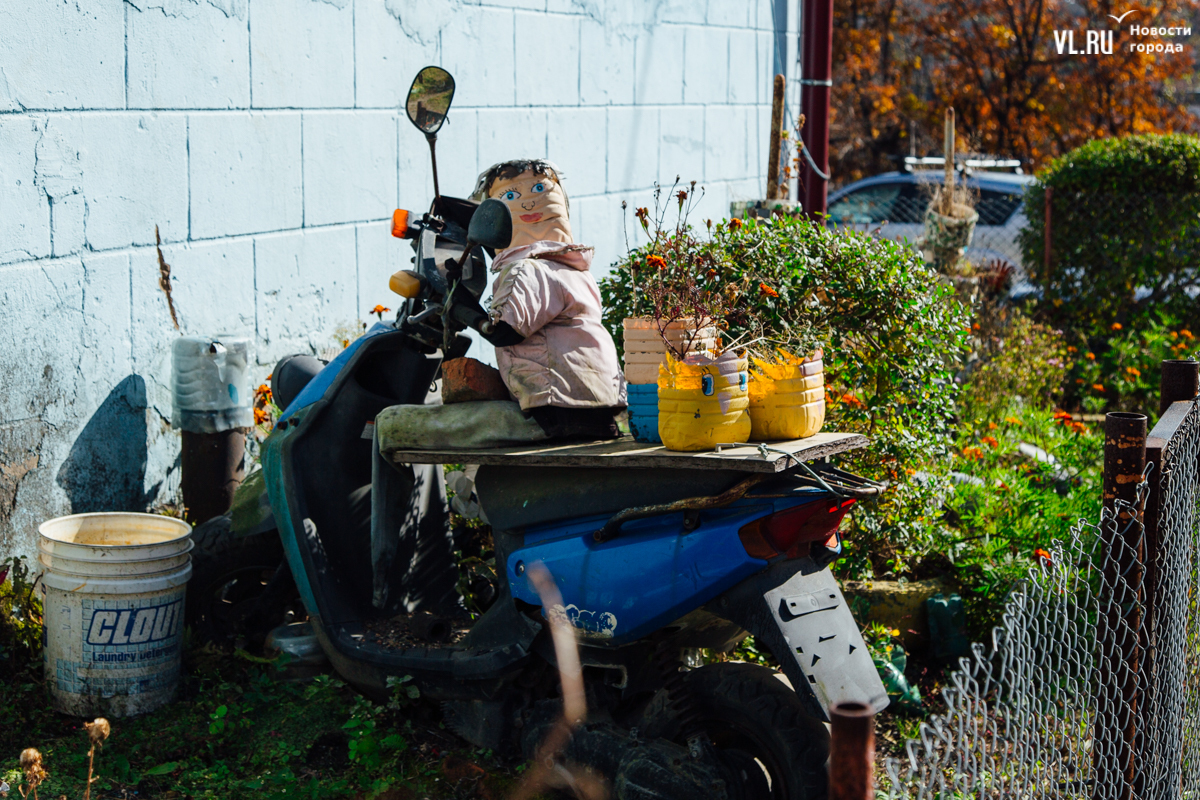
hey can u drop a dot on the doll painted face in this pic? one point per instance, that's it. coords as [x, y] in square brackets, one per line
[538, 206]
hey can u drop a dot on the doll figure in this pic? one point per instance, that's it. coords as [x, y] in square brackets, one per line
[554, 354]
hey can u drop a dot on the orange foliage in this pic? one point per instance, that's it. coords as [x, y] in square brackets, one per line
[899, 63]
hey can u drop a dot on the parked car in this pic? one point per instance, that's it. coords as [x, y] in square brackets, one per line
[893, 205]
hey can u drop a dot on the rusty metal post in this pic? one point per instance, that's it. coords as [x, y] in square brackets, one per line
[773, 145]
[212, 466]
[852, 752]
[1180, 381]
[1113, 759]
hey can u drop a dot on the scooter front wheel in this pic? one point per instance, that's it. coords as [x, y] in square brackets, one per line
[761, 730]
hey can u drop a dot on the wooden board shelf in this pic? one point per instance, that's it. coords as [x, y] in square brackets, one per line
[625, 453]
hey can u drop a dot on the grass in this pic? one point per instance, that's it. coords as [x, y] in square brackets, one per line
[239, 728]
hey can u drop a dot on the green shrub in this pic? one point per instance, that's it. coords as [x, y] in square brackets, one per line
[892, 331]
[1124, 217]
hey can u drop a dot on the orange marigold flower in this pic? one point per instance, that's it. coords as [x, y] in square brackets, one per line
[1078, 427]
[992, 426]
[658, 262]
[1061, 415]
[1090, 356]
[1185, 333]
[990, 441]
[261, 416]
[1133, 371]
[767, 290]
[1071, 349]
[976, 326]
[1098, 387]
[850, 399]
[734, 224]
[1012, 420]
[1116, 326]
[972, 452]
[1079, 380]
[1042, 555]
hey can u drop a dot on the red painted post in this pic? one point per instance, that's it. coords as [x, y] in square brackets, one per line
[852, 752]
[816, 85]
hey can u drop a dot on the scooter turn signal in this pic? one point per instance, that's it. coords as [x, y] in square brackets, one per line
[406, 283]
[785, 531]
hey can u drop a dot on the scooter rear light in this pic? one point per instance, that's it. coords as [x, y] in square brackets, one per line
[400, 223]
[790, 531]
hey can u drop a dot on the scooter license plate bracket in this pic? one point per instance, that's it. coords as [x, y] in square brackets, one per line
[823, 638]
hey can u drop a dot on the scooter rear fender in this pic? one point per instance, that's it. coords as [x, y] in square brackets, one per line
[805, 622]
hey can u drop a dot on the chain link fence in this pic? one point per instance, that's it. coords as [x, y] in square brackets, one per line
[1091, 688]
[897, 212]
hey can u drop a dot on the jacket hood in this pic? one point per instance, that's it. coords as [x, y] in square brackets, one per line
[576, 256]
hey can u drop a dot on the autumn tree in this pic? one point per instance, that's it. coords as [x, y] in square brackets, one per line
[900, 63]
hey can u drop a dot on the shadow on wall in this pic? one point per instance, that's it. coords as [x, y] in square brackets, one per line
[106, 468]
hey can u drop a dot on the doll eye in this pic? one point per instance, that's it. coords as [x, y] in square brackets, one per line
[538, 187]
[511, 194]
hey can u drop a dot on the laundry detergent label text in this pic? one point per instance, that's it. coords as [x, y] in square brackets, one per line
[135, 625]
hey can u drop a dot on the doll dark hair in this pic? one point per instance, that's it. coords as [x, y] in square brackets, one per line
[507, 170]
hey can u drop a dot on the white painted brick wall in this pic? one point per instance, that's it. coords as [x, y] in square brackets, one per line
[266, 140]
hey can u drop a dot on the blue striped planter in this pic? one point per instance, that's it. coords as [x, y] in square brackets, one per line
[643, 412]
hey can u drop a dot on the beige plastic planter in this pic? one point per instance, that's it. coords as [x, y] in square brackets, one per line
[114, 586]
[645, 349]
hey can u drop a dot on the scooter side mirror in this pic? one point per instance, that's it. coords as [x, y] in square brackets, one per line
[429, 99]
[491, 225]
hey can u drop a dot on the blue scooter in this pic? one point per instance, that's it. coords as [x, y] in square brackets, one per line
[659, 558]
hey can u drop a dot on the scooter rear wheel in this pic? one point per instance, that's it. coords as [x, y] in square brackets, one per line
[755, 721]
[240, 587]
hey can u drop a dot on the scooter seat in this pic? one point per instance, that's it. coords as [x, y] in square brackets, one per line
[516, 497]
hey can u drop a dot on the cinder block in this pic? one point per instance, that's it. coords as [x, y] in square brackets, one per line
[745, 78]
[380, 255]
[478, 51]
[731, 15]
[690, 12]
[507, 133]
[62, 55]
[301, 54]
[24, 206]
[42, 303]
[706, 62]
[349, 166]
[606, 57]
[245, 173]
[659, 66]
[196, 56]
[600, 225]
[681, 148]
[306, 290]
[632, 148]
[392, 41]
[530, 5]
[728, 132]
[547, 59]
[134, 177]
[577, 141]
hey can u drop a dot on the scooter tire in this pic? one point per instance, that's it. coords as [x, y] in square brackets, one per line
[230, 575]
[754, 719]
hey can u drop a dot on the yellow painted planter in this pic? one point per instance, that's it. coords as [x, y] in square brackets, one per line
[787, 398]
[703, 402]
[645, 349]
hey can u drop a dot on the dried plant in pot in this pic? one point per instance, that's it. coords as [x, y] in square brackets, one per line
[951, 216]
[787, 395]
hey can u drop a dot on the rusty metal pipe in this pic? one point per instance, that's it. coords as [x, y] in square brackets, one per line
[1180, 381]
[1124, 456]
[852, 752]
[212, 466]
[612, 528]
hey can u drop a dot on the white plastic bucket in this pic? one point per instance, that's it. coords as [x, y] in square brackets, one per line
[114, 586]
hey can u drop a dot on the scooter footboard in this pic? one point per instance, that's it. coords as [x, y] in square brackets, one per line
[807, 625]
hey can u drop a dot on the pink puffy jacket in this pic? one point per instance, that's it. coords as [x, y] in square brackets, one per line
[546, 293]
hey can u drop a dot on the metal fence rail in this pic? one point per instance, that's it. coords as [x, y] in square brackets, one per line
[1091, 688]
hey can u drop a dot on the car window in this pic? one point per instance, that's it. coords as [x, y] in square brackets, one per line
[882, 202]
[995, 208]
[870, 204]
